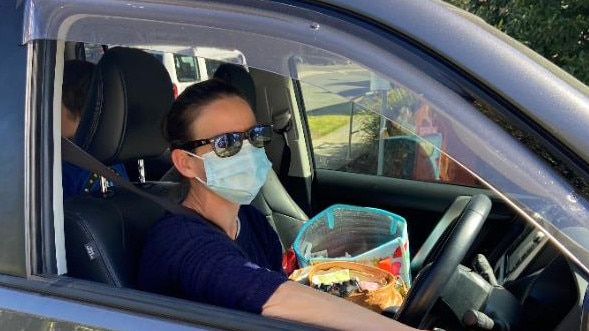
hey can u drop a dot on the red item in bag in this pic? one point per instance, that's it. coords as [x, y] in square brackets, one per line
[289, 261]
[390, 266]
[398, 252]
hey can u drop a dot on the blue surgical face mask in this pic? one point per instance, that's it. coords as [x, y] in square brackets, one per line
[237, 178]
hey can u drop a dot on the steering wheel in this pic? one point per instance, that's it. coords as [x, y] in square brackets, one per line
[430, 282]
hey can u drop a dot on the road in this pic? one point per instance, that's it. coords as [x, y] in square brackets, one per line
[338, 84]
[327, 90]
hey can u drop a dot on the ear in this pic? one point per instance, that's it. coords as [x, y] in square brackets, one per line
[184, 163]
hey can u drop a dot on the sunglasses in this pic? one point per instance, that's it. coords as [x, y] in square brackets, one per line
[228, 144]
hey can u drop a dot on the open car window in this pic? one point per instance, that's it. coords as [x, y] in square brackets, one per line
[384, 89]
[366, 125]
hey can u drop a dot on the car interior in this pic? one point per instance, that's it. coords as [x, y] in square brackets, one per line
[530, 283]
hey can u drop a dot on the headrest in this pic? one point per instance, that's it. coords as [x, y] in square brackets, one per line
[238, 76]
[130, 93]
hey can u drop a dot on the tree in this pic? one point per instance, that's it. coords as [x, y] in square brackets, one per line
[558, 30]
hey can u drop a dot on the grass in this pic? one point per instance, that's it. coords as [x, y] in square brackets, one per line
[322, 125]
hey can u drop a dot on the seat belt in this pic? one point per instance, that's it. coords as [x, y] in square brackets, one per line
[72, 153]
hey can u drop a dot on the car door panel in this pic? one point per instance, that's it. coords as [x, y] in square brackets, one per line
[13, 66]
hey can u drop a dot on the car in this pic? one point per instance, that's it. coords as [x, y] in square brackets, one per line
[187, 65]
[184, 69]
[413, 107]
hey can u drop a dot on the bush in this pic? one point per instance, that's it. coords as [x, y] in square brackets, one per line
[558, 30]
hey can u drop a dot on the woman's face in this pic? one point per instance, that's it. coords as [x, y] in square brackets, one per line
[229, 114]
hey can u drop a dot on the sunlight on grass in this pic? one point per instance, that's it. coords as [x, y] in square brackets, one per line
[325, 124]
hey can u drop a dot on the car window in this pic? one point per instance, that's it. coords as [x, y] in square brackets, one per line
[268, 47]
[93, 52]
[212, 66]
[378, 129]
[470, 139]
[186, 68]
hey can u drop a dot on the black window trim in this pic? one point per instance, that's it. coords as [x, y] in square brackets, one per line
[40, 158]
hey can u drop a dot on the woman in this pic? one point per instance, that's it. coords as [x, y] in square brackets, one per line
[223, 251]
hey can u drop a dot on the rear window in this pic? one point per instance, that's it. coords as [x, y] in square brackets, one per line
[186, 68]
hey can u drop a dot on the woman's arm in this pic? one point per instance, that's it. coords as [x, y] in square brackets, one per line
[297, 302]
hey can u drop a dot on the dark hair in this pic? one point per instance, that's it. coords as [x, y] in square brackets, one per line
[185, 109]
[77, 75]
[239, 77]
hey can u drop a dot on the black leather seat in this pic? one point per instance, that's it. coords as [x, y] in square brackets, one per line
[130, 93]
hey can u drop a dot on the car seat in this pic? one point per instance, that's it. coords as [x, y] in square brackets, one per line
[281, 211]
[104, 233]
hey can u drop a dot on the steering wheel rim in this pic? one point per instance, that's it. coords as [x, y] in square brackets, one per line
[429, 283]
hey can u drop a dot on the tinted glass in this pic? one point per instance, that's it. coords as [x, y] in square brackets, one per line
[384, 129]
[186, 68]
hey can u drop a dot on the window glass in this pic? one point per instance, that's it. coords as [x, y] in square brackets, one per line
[93, 52]
[382, 129]
[212, 66]
[469, 136]
[186, 68]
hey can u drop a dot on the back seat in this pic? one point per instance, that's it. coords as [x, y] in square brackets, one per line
[104, 233]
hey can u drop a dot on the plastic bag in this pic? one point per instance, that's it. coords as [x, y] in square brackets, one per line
[356, 234]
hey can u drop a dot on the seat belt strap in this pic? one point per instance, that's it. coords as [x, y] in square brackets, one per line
[72, 153]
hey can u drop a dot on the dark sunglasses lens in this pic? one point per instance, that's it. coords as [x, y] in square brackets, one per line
[260, 135]
[227, 144]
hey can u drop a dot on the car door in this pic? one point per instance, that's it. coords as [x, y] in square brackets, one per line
[374, 70]
[35, 291]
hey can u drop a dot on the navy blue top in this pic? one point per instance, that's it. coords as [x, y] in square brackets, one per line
[76, 180]
[187, 257]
